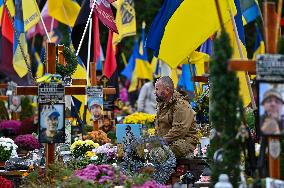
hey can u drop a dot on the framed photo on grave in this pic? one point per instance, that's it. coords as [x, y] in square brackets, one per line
[95, 102]
[51, 123]
[270, 116]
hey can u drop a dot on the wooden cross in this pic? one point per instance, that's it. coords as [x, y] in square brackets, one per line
[69, 90]
[271, 29]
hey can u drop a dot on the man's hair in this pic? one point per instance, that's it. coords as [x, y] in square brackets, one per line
[167, 82]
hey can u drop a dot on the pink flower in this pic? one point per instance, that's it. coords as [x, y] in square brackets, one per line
[195, 152]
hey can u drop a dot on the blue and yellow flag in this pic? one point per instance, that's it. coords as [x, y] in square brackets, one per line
[180, 27]
[185, 80]
[10, 5]
[19, 63]
[128, 70]
[259, 47]
[250, 10]
[125, 20]
[39, 65]
[31, 13]
[144, 69]
[244, 90]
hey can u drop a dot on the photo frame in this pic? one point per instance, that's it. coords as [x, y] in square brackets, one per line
[51, 123]
[270, 102]
[121, 131]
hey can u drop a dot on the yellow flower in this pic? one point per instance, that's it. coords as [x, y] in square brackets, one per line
[25, 174]
[151, 131]
[90, 154]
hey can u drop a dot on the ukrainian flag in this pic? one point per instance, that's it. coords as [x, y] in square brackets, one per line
[39, 65]
[180, 27]
[244, 90]
[250, 10]
[259, 47]
[19, 63]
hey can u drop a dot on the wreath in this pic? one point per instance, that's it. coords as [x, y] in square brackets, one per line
[146, 153]
[71, 63]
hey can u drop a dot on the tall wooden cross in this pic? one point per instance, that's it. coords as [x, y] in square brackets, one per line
[271, 32]
[69, 90]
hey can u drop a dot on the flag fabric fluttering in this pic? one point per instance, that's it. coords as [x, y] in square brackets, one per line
[6, 46]
[78, 30]
[142, 65]
[7, 38]
[10, 5]
[244, 90]
[259, 47]
[169, 33]
[250, 10]
[104, 13]
[100, 60]
[65, 11]
[110, 61]
[19, 63]
[49, 22]
[129, 68]
[39, 65]
[125, 20]
[185, 80]
[31, 13]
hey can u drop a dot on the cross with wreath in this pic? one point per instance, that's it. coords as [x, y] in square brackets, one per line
[51, 68]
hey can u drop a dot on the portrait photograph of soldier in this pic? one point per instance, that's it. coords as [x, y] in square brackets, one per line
[52, 129]
[271, 116]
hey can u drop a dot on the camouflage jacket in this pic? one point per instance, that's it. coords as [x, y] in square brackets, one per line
[176, 124]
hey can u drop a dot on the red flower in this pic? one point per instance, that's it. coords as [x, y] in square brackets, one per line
[5, 183]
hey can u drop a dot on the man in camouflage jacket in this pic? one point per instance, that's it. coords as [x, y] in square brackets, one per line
[175, 118]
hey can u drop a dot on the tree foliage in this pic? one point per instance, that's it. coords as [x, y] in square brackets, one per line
[223, 111]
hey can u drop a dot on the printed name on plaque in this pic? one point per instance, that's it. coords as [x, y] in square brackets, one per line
[51, 93]
[270, 67]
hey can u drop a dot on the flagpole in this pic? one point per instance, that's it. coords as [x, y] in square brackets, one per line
[85, 29]
[44, 27]
[66, 16]
[191, 72]
[88, 57]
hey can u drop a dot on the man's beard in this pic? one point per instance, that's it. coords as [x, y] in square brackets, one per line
[160, 98]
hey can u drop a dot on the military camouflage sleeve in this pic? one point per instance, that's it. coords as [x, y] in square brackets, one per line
[183, 117]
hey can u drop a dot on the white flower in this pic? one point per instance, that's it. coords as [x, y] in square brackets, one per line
[94, 158]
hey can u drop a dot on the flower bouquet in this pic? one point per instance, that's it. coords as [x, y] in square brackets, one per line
[10, 127]
[27, 142]
[98, 137]
[105, 154]
[7, 148]
[140, 118]
[80, 147]
[5, 183]
[105, 175]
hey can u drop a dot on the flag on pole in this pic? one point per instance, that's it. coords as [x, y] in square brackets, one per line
[250, 10]
[31, 14]
[104, 13]
[128, 70]
[259, 47]
[185, 79]
[49, 22]
[10, 5]
[65, 11]
[169, 31]
[244, 90]
[39, 64]
[144, 69]
[19, 63]
[125, 20]
[110, 62]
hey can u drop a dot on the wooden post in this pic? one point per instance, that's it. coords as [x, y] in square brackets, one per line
[50, 68]
[94, 83]
[270, 27]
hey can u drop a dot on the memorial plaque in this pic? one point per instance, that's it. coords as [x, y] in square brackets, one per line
[51, 93]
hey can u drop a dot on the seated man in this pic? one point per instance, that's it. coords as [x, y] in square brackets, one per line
[175, 119]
